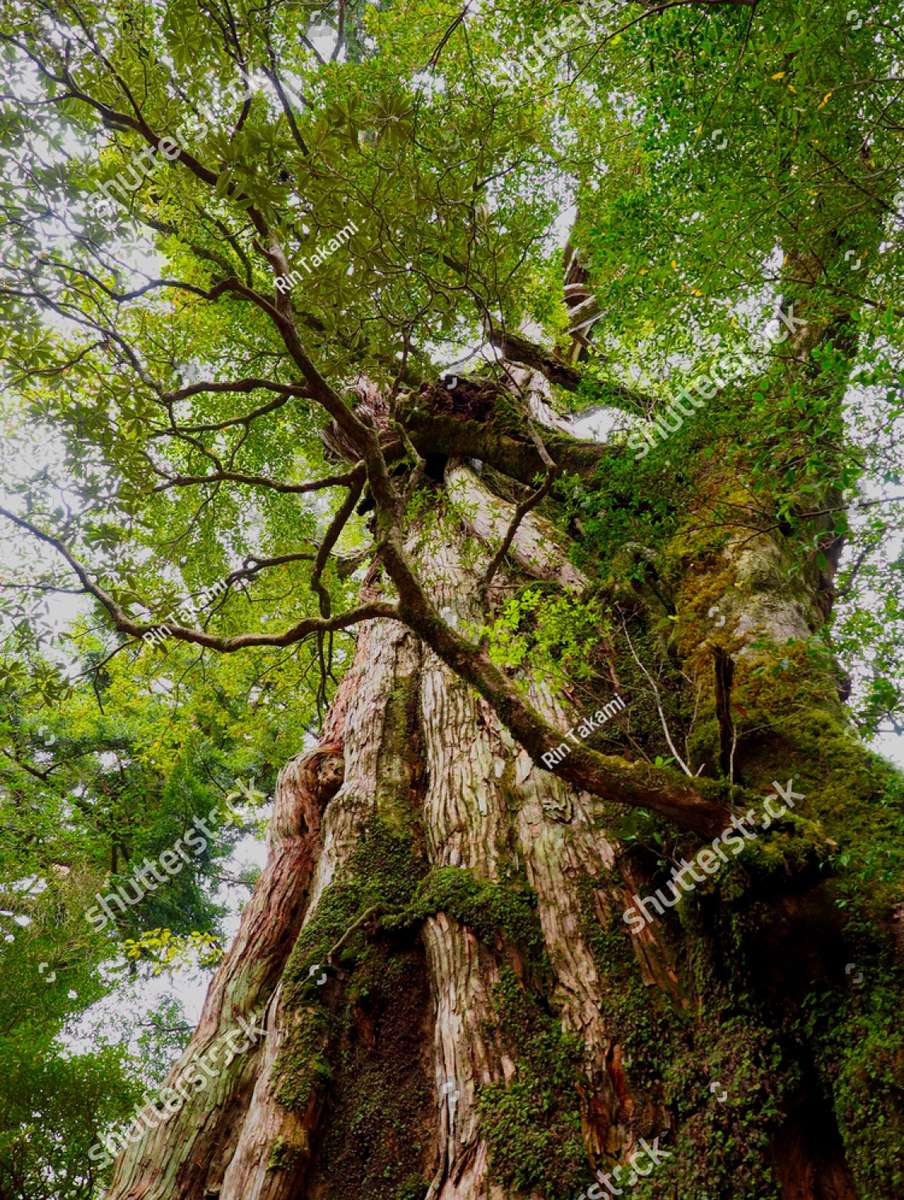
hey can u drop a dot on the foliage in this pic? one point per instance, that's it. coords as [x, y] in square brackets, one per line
[55, 1107]
[553, 632]
[164, 949]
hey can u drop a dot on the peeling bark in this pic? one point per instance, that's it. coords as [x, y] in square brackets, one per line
[189, 1149]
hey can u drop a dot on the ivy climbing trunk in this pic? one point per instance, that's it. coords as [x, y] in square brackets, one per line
[455, 1007]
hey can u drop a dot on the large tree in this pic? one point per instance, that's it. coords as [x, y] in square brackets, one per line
[286, 300]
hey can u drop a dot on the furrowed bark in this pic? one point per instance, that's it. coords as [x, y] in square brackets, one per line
[534, 548]
[426, 756]
[280, 1128]
[189, 1148]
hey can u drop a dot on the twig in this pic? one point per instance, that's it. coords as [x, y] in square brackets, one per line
[521, 511]
[668, 737]
[368, 912]
[255, 481]
[226, 645]
[345, 510]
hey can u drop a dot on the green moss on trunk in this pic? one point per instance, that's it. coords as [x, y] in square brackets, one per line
[380, 1113]
[532, 1123]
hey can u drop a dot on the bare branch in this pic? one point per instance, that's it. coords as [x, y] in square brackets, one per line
[521, 511]
[287, 391]
[520, 350]
[658, 701]
[254, 481]
[226, 645]
[337, 524]
[237, 385]
[254, 566]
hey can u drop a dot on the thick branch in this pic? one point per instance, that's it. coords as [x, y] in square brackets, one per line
[237, 385]
[435, 433]
[343, 513]
[360, 436]
[254, 566]
[520, 350]
[700, 807]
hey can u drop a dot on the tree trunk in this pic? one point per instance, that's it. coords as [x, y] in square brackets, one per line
[456, 1008]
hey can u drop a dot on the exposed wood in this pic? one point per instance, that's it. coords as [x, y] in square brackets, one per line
[535, 546]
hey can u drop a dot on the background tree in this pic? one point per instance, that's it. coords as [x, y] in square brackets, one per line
[440, 571]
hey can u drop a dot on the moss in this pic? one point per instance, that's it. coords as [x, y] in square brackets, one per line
[791, 725]
[859, 1045]
[398, 758]
[729, 1093]
[532, 1123]
[382, 876]
[354, 1042]
[302, 1067]
[816, 890]
[701, 589]
[641, 1019]
[675, 1046]
[869, 1101]
[498, 913]
[359, 1048]
[413, 1188]
[284, 1156]
[380, 1108]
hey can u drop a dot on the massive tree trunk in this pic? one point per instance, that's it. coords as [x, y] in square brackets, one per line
[455, 1006]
